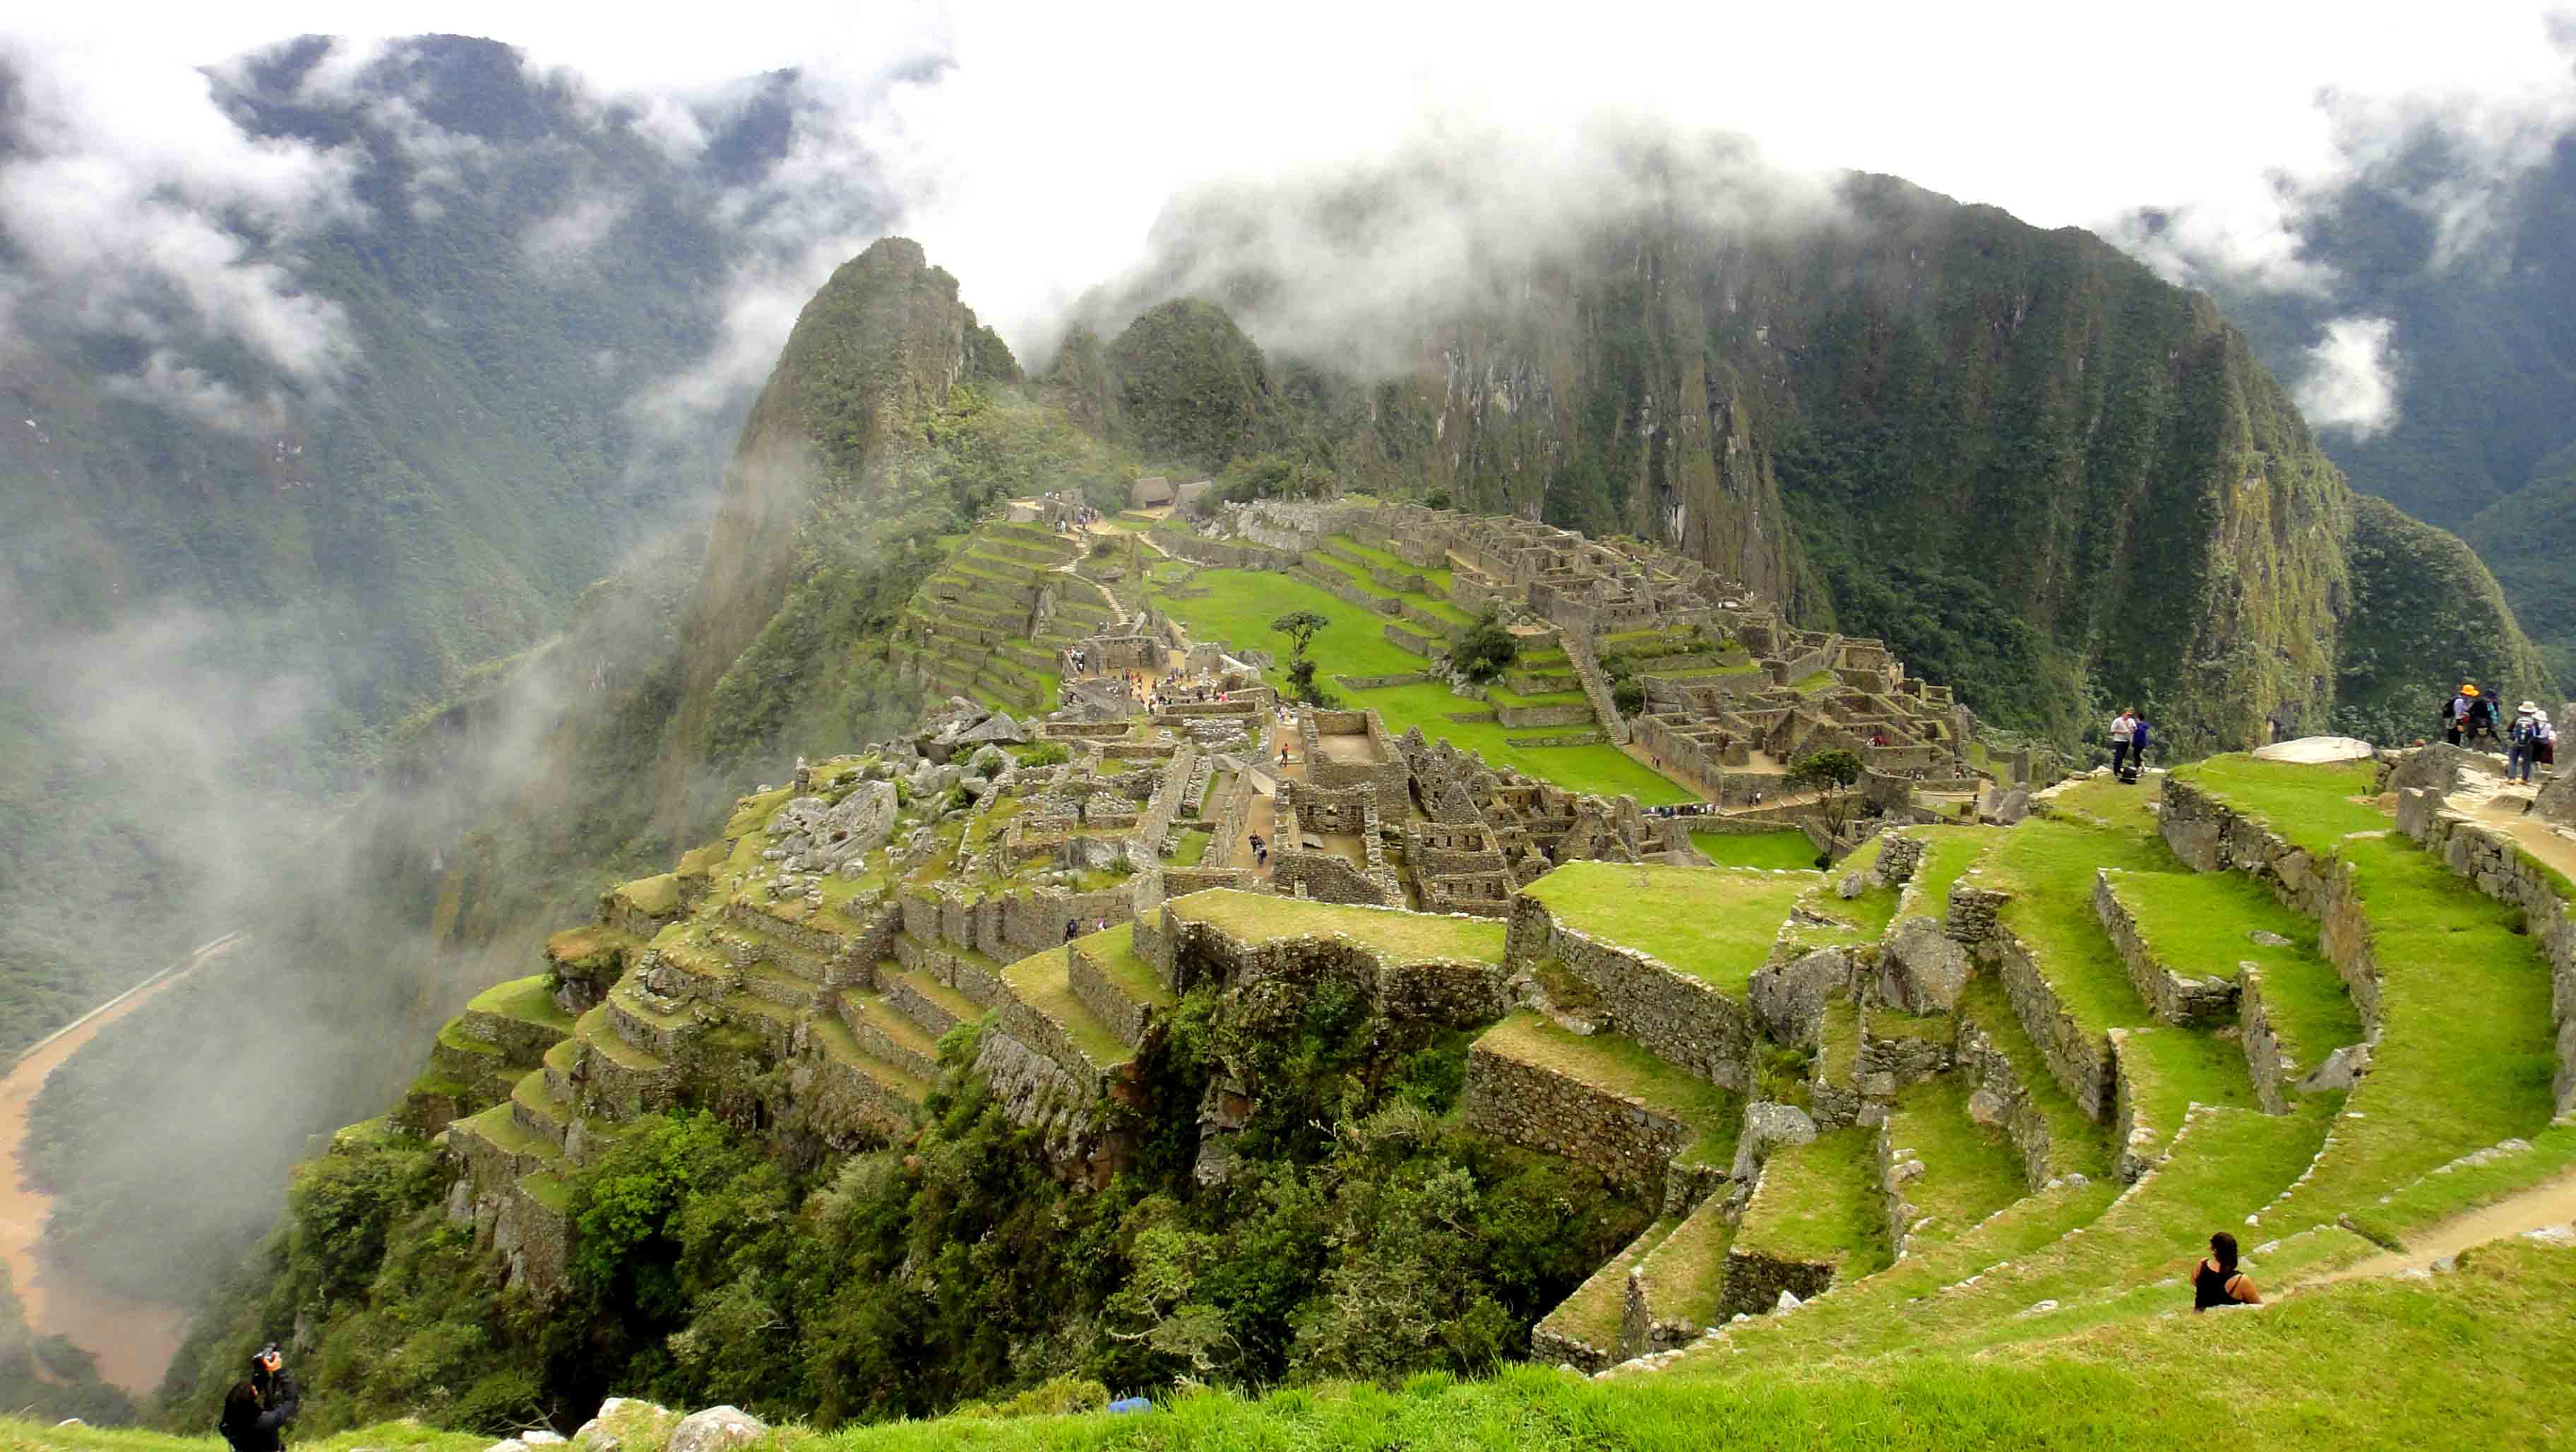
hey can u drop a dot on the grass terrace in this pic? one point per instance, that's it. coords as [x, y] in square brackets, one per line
[2465, 1051]
[2202, 924]
[1621, 1066]
[2312, 806]
[1115, 952]
[2079, 1142]
[1039, 981]
[1970, 1170]
[1596, 1310]
[1439, 576]
[2102, 801]
[1716, 925]
[1253, 918]
[1238, 606]
[1950, 852]
[1820, 1202]
[1789, 849]
[528, 999]
[1686, 1275]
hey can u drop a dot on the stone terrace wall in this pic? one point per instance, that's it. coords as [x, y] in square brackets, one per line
[2174, 997]
[1457, 994]
[2080, 1061]
[2001, 1096]
[2209, 836]
[1680, 1019]
[2503, 871]
[1624, 1140]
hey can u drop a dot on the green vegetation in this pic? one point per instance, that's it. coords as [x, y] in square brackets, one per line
[2077, 1142]
[1788, 849]
[1970, 1170]
[1239, 605]
[2203, 924]
[1254, 918]
[1952, 851]
[1819, 1202]
[1486, 650]
[1716, 926]
[2312, 807]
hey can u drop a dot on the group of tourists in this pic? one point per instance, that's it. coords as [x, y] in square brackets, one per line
[2129, 733]
[2469, 718]
[1260, 850]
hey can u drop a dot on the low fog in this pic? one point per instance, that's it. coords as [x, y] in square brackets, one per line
[158, 243]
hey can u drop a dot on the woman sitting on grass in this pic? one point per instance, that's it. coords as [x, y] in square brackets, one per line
[2217, 1282]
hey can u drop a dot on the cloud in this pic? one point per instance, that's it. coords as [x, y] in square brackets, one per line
[2350, 383]
[575, 229]
[136, 207]
[186, 389]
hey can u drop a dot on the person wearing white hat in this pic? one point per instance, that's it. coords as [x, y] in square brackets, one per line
[2522, 742]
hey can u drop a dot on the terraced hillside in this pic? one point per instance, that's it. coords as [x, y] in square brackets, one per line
[1981, 1092]
[991, 624]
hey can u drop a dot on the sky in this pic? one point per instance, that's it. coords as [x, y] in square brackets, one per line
[1032, 159]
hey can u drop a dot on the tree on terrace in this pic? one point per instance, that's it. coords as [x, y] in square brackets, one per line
[1830, 775]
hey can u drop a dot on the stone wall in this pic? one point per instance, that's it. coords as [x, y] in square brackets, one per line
[2080, 1060]
[2504, 871]
[1624, 1140]
[2172, 996]
[2269, 1067]
[1456, 994]
[2209, 836]
[1754, 1281]
[1999, 1097]
[1678, 1018]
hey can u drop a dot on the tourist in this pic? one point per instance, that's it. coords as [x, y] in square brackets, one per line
[2545, 749]
[2124, 729]
[1072, 929]
[2460, 715]
[2217, 1282]
[2522, 743]
[257, 1410]
[2138, 732]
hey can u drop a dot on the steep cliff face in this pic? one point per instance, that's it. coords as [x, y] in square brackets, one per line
[2040, 472]
[875, 352]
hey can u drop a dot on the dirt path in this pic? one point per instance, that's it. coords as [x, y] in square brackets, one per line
[134, 1339]
[2553, 1203]
[2505, 810]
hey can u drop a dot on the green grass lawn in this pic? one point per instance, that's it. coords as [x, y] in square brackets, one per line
[1115, 953]
[2078, 1143]
[1404, 937]
[2311, 806]
[1439, 576]
[2048, 868]
[1715, 924]
[2465, 1049]
[1240, 604]
[1788, 848]
[1685, 1276]
[2202, 924]
[1819, 1202]
[1970, 1170]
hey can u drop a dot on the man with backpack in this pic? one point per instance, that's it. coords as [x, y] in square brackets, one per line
[2522, 742]
[2459, 714]
[2137, 747]
[258, 1408]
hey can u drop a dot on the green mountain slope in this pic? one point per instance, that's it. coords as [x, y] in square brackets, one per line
[2034, 468]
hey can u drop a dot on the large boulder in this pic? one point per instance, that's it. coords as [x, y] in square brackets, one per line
[717, 1429]
[828, 834]
[2318, 750]
[1789, 998]
[1919, 969]
[625, 1424]
[997, 728]
[2557, 800]
[1767, 1124]
[2436, 768]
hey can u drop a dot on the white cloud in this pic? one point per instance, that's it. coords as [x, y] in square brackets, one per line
[575, 229]
[2350, 382]
[187, 389]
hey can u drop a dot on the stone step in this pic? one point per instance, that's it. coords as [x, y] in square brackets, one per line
[774, 1024]
[1815, 1218]
[618, 1080]
[1586, 1329]
[1121, 989]
[1678, 1287]
[534, 1108]
[782, 987]
[1040, 1009]
[932, 1006]
[560, 1066]
[886, 1033]
[646, 1028]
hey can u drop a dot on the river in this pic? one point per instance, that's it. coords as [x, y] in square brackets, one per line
[133, 1339]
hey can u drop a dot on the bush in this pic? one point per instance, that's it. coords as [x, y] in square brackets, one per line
[1486, 650]
[1629, 696]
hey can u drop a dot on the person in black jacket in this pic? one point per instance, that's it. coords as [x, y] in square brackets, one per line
[257, 1410]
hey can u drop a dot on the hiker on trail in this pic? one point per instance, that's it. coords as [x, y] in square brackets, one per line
[2217, 1282]
[2123, 731]
[2522, 743]
[2545, 748]
[2467, 716]
[1072, 930]
[2137, 747]
[257, 1410]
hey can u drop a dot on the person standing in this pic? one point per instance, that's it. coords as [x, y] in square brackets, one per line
[2522, 743]
[258, 1409]
[2137, 747]
[2455, 712]
[2124, 729]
